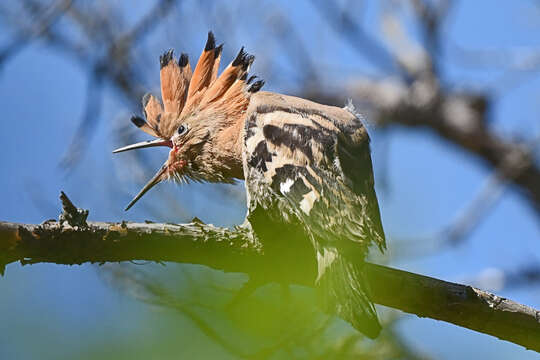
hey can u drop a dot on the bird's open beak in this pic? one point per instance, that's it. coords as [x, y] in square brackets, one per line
[145, 144]
[155, 180]
[160, 175]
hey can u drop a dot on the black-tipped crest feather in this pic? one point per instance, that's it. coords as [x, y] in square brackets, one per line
[210, 42]
[183, 60]
[240, 57]
[165, 58]
[256, 86]
[243, 59]
[138, 121]
[247, 63]
[218, 51]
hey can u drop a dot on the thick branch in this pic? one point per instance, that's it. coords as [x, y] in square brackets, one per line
[236, 250]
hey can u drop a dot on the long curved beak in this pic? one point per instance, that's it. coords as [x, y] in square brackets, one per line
[145, 144]
[155, 180]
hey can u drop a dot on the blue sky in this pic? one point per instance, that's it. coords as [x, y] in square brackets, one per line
[42, 97]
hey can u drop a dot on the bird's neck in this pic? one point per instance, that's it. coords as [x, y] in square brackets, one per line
[228, 148]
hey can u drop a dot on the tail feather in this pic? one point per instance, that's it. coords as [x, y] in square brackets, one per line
[344, 291]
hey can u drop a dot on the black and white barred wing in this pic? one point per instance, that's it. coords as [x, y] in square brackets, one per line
[310, 164]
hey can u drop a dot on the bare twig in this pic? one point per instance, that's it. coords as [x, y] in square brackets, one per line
[71, 214]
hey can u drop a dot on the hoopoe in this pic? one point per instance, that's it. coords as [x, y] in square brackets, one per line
[307, 167]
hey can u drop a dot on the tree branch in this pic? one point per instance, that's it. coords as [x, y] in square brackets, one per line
[236, 250]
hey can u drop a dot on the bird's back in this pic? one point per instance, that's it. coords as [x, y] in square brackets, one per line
[313, 162]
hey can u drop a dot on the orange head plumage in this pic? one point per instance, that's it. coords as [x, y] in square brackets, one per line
[201, 118]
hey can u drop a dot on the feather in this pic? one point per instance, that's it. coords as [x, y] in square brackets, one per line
[174, 82]
[215, 68]
[202, 75]
[185, 76]
[237, 69]
[143, 125]
[152, 111]
[256, 86]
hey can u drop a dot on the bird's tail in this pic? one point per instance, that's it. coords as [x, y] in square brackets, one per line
[343, 289]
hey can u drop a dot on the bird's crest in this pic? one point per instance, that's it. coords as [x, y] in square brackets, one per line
[184, 92]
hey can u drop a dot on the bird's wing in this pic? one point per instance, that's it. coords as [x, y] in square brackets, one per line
[310, 164]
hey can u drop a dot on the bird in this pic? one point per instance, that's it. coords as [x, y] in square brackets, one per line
[307, 167]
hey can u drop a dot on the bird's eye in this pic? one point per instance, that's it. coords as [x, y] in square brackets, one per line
[182, 129]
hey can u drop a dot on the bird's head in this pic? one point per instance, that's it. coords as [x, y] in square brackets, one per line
[201, 118]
